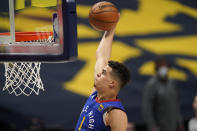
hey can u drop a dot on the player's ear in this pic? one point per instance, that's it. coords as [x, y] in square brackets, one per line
[112, 83]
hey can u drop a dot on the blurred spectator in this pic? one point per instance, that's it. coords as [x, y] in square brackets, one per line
[160, 100]
[131, 126]
[193, 122]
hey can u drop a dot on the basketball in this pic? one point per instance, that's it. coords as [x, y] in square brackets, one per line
[103, 16]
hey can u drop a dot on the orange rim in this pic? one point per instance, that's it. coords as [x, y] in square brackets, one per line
[29, 36]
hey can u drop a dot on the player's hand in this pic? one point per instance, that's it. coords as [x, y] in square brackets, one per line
[113, 28]
[116, 22]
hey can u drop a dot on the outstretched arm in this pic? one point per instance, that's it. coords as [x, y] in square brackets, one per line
[103, 52]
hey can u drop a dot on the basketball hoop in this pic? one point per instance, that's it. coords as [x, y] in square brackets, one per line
[24, 77]
[52, 42]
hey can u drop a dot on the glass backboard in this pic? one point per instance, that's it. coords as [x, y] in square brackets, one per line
[38, 30]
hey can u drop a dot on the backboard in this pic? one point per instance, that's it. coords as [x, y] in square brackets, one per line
[38, 30]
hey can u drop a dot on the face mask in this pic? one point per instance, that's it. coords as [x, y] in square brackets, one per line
[163, 72]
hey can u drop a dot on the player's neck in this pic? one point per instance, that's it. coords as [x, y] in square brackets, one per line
[104, 97]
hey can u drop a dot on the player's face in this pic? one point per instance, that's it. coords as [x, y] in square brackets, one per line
[103, 78]
[195, 104]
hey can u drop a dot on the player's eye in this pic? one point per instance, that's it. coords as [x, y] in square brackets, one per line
[104, 72]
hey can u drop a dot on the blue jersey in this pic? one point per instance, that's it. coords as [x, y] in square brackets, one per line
[91, 117]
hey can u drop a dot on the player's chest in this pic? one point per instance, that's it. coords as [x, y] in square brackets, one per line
[91, 115]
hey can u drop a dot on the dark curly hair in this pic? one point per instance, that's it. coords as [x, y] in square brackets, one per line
[120, 71]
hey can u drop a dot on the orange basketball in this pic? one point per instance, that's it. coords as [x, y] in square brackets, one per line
[103, 16]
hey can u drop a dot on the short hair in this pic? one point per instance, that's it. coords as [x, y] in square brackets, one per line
[120, 71]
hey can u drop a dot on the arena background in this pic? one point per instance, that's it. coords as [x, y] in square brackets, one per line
[147, 28]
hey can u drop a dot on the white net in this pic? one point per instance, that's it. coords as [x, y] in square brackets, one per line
[23, 78]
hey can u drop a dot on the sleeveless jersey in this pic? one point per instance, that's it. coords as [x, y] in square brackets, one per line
[91, 117]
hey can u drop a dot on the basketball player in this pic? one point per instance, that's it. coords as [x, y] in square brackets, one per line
[103, 111]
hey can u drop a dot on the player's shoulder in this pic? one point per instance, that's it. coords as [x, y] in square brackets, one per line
[117, 115]
[117, 112]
